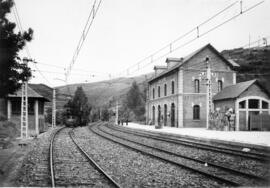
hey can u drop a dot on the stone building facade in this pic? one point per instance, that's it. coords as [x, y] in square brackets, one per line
[176, 95]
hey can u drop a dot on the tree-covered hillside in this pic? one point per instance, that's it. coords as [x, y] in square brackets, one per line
[105, 92]
[254, 63]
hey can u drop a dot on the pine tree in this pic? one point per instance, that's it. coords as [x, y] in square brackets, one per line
[79, 107]
[12, 72]
[135, 100]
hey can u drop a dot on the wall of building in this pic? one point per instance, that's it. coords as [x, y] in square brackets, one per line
[168, 99]
[31, 121]
[189, 102]
[16, 118]
[254, 90]
[186, 96]
[161, 102]
[218, 66]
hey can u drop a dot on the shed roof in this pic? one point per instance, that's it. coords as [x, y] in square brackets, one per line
[233, 91]
[30, 92]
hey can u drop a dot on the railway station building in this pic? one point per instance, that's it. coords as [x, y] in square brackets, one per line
[176, 94]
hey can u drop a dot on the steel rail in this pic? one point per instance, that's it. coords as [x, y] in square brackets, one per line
[212, 176]
[91, 160]
[243, 174]
[51, 166]
[231, 151]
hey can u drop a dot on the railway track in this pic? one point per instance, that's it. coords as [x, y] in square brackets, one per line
[200, 159]
[101, 178]
[190, 143]
[222, 174]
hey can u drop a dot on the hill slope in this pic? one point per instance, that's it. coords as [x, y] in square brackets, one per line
[254, 63]
[101, 93]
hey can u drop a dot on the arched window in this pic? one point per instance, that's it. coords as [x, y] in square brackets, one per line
[153, 115]
[197, 85]
[172, 87]
[196, 112]
[165, 114]
[220, 85]
[158, 91]
[165, 89]
[172, 115]
[159, 114]
[153, 93]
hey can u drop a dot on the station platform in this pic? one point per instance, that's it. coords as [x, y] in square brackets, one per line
[242, 138]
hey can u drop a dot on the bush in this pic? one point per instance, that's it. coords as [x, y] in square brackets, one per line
[3, 117]
[8, 129]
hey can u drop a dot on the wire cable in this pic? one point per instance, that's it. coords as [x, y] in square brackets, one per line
[84, 34]
[19, 24]
[151, 58]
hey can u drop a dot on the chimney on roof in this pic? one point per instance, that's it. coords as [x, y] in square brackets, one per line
[171, 62]
[159, 69]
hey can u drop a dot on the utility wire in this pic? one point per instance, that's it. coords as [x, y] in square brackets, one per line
[78, 70]
[18, 21]
[85, 31]
[169, 45]
[151, 58]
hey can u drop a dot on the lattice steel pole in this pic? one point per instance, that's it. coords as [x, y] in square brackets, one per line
[53, 110]
[209, 104]
[24, 108]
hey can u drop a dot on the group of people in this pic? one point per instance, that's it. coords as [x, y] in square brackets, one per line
[224, 120]
[122, 122]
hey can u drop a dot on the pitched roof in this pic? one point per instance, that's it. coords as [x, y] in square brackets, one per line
[184, 60]
[43, 90]
[159, 67]
[233, 91]
[233, 63]
[30, 92]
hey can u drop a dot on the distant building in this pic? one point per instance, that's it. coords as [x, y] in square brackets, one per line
[176, 95]
[251, 103]
[37, 97]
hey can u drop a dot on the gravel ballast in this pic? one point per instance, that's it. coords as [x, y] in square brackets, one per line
[71, 167]
[34, 170]
[134, 169]
[239, 163]
[209, 169]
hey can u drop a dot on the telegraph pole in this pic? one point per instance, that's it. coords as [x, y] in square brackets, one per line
[208, 91]
[24, 108]
[116, 113]
[208, 77]
[53, 110]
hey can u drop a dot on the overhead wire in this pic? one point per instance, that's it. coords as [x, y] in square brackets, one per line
[169, 45]
[151, 57]
[84, 34]
[19, 24]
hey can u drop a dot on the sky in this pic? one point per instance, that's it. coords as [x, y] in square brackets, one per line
[125, 32]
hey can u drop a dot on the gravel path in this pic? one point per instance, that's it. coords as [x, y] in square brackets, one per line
[133, 169]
